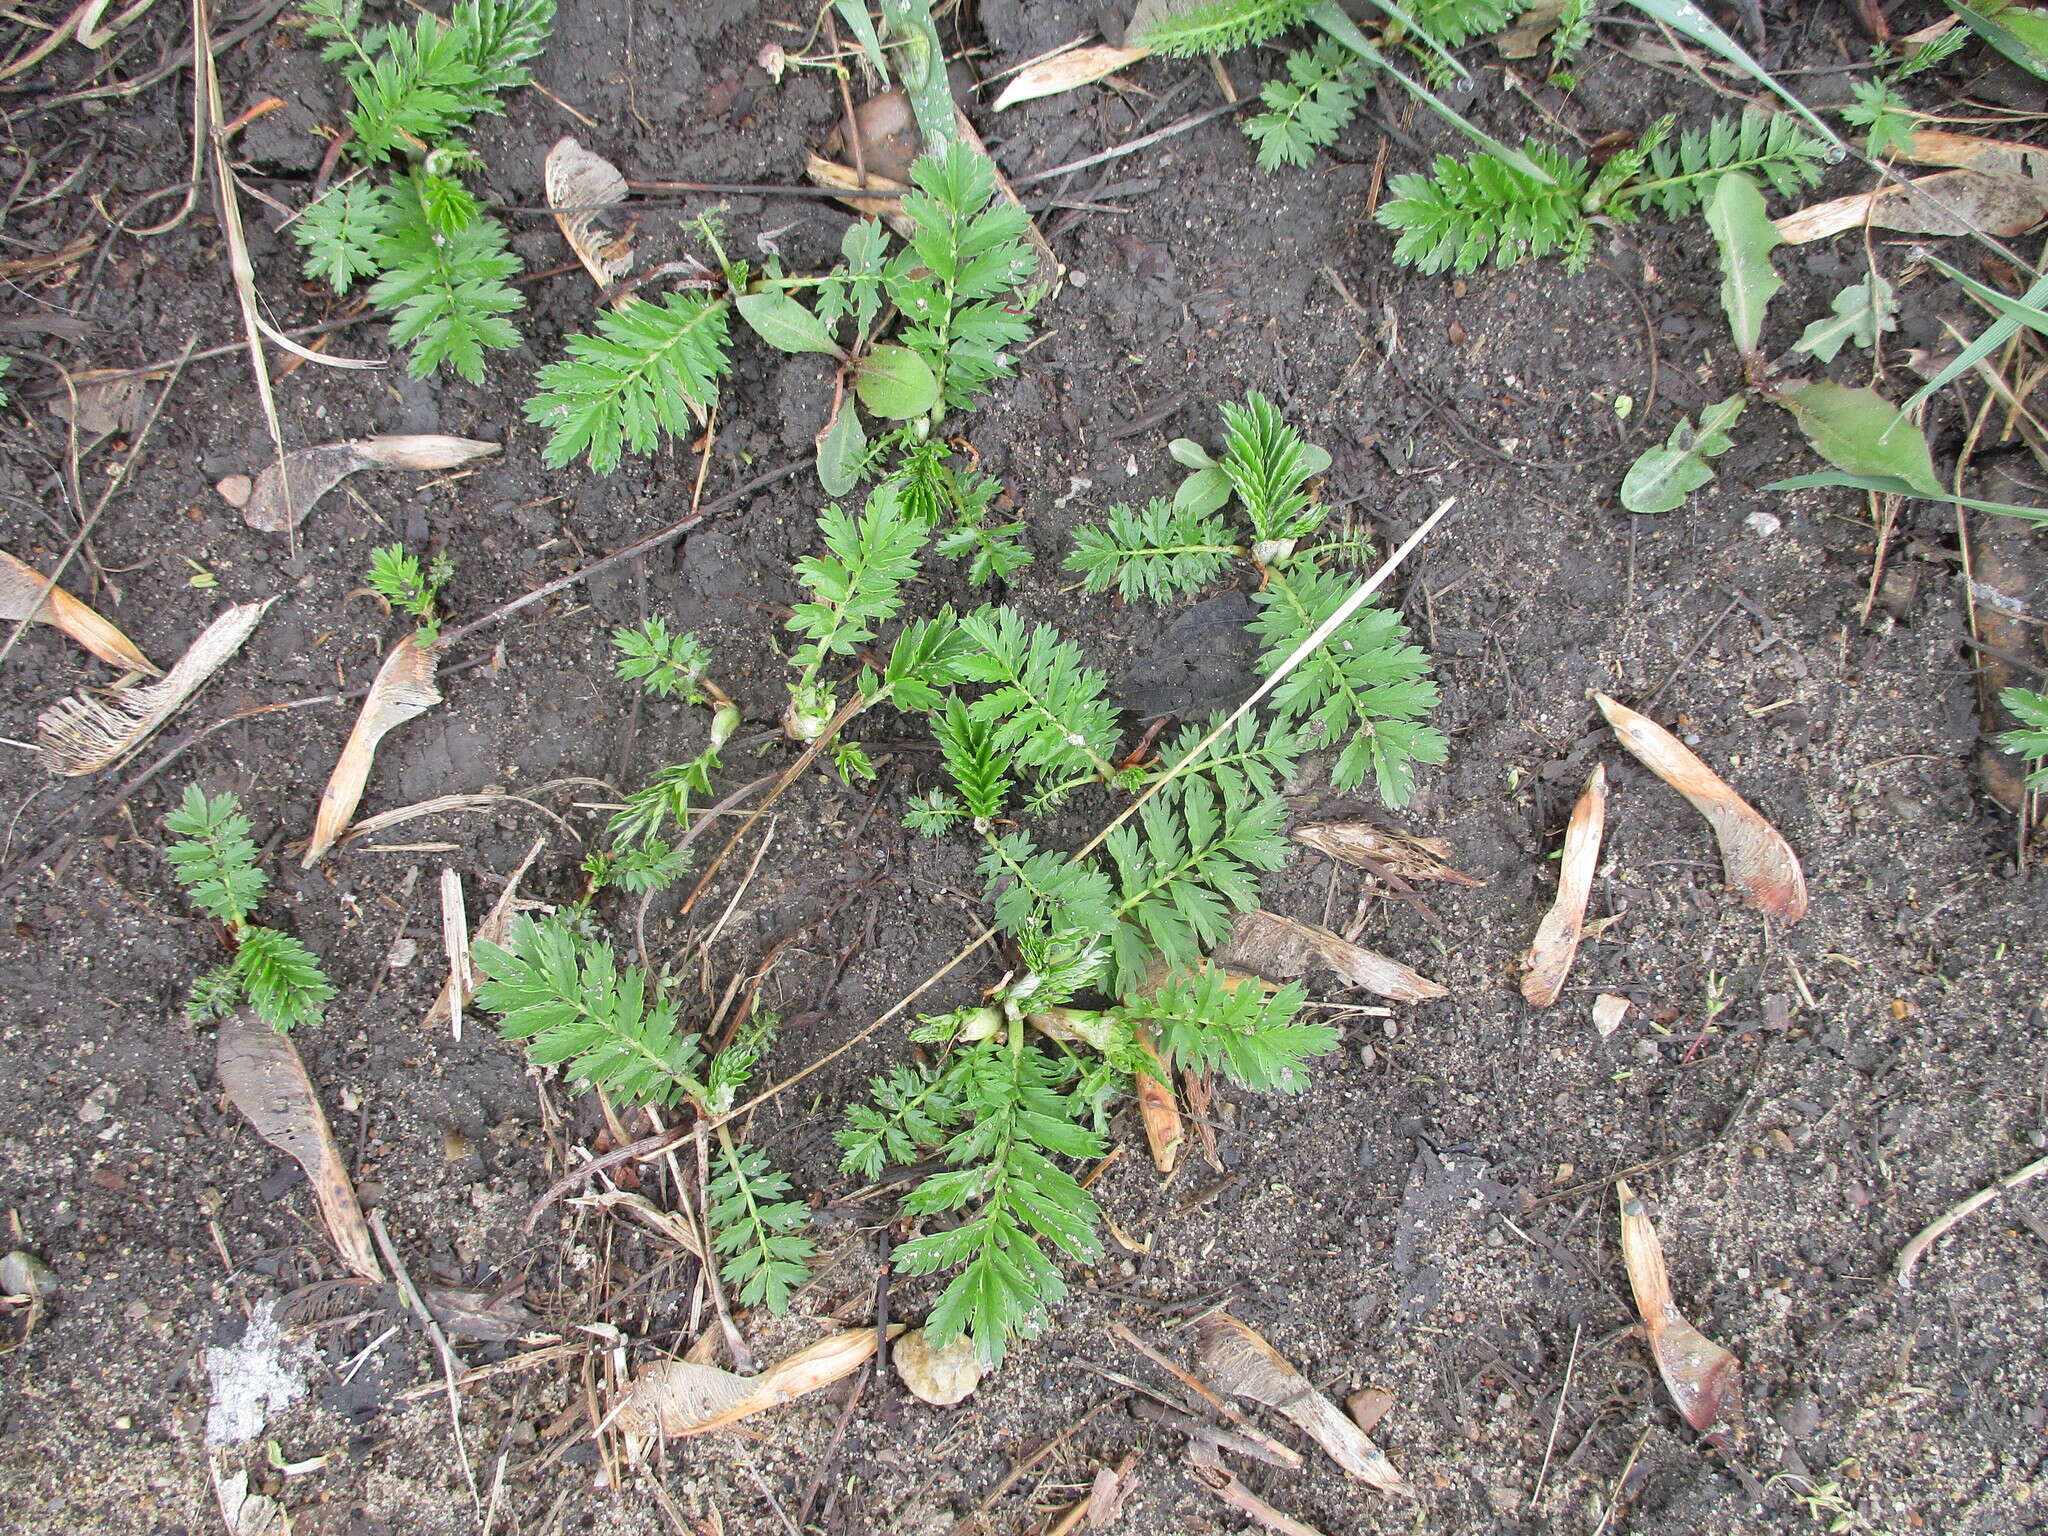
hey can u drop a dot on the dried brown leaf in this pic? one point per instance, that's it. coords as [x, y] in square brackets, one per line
[262, 1076]
[1360, 843]
[889, 140]
[583, 191]
[843, 178]
[1549, 958]
[83, 735]
[109, 400]
[1282, 949]
[245, 1511]
[403, 690]
[674, 1398]
[1164, 1133]
[1760, 865]
[22, 597]
[1238, 1361]
[313, 472]
[1065, 72]
[1206, 1468]
[1947, 203]
[480, 1317]
[1700, 1375]
[1524, 40]
[1368, 1406]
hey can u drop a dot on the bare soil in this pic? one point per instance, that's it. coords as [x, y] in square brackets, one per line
[1433, 1215]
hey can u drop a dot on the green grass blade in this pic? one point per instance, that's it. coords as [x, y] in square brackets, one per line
[1683, 17]
[1891, 485]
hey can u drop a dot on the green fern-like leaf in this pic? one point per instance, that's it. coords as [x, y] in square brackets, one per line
[1034, 890]
[1454, 23]
[910, 1112]
[1159, 552]
[281, 978]
[1574, 31]
[341, 231]
[974, 759]
[1253, 758]
[958, 281]
[1181, 30]
[1682, 172]
[214, 859]
[2031, 739]
[856, 584]
[499, 37]
[1365, 679]
[215, 994]
[754, 1230]
[412, 88]
[568, 998]
[650, 369]
[1048, 707]
[448, 286]
[1185, 869]
[1467, 212]
[1308, 109]
[1269, 465]
[666, 663]
[1017, 1121]
[1202, 1024]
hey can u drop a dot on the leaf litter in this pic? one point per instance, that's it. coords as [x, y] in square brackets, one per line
[672, 1399]
[313, 472]
[404, 689]
[1700, 1375]
[24, 598]
[1378, 851]
[584, 191]
[1760, 865]
[81, 735]
[1549, 959]
[1280, 949]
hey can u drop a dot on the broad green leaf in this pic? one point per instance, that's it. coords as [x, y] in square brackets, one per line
[896, 383]
[1203, 492]
[1185, 450]
[1892, 486]
[1862, 433]
[1744, 232]
[842, 451]
[785, 324]
[1661, 478]
[1860, 313]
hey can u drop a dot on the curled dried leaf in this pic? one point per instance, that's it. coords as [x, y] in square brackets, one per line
[107, 400]
[22, 597]
[1700, 1375]
[1238, 1361]
[1378, 851]
[1946, 203]
[1549, 958]
[262, 1075]
[679, 1397]
[1206, 1468]
[584, 191]
[83, 735]
[403, 690]
[1164, 1133]
[1281, 948]
[844, 178]
[311, 473]
[1760, 865]
[1066, 71]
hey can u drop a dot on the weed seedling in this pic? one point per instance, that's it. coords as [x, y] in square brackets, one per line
[216, 863]
[410, 587]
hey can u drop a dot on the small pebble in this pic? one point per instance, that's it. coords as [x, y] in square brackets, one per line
[940, 1377]
[235, 490]
[1763, 524]
[1798, 1415]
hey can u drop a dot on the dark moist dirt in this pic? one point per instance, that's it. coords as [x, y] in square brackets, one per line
[1432, 1216]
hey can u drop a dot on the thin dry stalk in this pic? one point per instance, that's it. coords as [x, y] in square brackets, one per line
[455, 942]
[1912, 1253]
[409, 1295]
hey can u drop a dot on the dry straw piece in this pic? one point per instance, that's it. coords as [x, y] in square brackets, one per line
[1371, 848]
[1761, 866]
[1065, 72]
[584, 191]
[1281, 948]
[674, 1398]
[83, 735]
[23, 597]
[1549, 958]
[403, 690]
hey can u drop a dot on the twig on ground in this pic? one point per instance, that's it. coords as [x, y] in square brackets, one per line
[1557, 1419]
[1912, 1253]
[1130, 146]
[409, 1295]
[1011, 1478]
